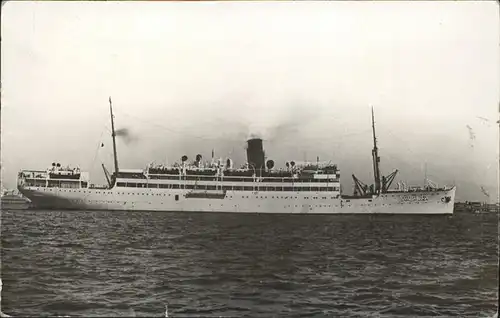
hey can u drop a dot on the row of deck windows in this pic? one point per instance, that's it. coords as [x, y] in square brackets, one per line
[224, 187]
[222, 205]
[243, 197]
[240, 179]
[57, 184]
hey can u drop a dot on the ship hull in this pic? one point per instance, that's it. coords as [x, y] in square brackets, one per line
[126, 199]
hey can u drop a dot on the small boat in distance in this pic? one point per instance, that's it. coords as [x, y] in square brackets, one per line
[12, 200]
[217, 185]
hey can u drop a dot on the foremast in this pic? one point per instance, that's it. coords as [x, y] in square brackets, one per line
[113, 135]
[381, 185]
[375, 158]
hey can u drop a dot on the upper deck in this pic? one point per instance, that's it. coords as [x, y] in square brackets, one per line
[217, 173]
[54, 177]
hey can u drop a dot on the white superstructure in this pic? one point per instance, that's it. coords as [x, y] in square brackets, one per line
[217, 186]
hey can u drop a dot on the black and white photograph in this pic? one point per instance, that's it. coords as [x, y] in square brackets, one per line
[250, 158]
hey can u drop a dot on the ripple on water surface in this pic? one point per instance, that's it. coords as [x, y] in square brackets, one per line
[123, 264]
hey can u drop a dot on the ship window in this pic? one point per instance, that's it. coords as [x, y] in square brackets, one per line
[131, 175]
[53, 183]
[175, 186]
[370, 200]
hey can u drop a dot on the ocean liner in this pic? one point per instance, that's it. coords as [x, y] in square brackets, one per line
[218, 186]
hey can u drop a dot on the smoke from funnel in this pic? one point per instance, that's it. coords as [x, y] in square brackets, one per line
[282, 125]
[125, 135]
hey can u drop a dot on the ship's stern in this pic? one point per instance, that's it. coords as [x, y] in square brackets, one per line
[21, 182]
[24, 187]
[31, 185]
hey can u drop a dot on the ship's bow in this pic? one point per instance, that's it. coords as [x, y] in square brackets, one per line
[449, 200]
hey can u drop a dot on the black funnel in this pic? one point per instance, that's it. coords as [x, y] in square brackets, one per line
[255, 155]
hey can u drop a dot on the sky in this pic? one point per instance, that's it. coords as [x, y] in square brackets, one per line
[189, 77]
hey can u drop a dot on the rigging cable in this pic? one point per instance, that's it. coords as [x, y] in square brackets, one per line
[216, 138]
[164, 127]
[100, 145]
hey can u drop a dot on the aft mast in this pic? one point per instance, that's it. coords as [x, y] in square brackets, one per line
[113, 134]
[376, 158]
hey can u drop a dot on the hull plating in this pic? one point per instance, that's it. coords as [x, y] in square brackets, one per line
[439, 202]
